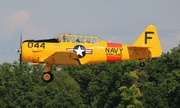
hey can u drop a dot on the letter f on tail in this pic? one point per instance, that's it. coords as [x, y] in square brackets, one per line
[149, 39]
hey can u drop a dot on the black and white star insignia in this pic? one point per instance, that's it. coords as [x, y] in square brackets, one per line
[80, 50]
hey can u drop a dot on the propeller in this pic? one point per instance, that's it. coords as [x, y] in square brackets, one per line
[20, 51]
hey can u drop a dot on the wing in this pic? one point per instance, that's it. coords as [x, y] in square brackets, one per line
[63, 58]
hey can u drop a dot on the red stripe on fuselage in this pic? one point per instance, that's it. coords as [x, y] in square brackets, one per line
[113, 52]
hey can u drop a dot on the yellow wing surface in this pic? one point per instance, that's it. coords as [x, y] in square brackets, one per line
[63, 58]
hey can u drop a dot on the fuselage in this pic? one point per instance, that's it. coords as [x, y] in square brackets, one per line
[89, 49]
[36, 51]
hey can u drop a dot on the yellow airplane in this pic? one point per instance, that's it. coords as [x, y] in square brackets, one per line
[76, 50]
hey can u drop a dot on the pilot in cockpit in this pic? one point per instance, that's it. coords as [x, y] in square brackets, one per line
[65, 39]
[78, 41]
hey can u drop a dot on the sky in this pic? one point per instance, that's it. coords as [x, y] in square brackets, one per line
[123, 19]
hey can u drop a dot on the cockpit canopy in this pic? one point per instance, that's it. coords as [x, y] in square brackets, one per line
[76, 38]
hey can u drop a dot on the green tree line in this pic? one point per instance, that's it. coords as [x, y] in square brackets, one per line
[105, 85]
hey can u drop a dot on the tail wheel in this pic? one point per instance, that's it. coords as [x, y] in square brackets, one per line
[142, 64]
[47, 77]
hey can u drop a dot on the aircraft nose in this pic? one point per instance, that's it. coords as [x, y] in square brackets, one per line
[27, 55]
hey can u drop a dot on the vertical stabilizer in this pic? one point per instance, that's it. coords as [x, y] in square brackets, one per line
[149, 39]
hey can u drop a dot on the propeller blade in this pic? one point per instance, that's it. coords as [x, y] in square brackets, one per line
[20, 51]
